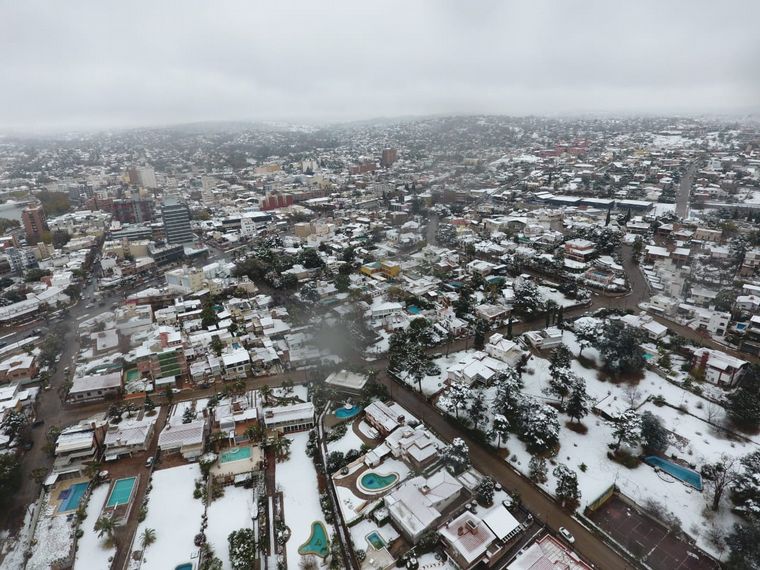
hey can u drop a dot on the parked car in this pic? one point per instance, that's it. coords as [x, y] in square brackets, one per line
[566, 534]
[149, 462]
[38, 423]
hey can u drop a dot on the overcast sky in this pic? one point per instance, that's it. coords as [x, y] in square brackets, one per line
[133, 63]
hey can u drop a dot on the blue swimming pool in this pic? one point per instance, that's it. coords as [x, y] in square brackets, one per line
[71, 497]
[372, 481]
[121, 492]
[235, 454]
[688, 476]
[345, 413]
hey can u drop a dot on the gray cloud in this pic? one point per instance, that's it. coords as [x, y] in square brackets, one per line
[101, 64]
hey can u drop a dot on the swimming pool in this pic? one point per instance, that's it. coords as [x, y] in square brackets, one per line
[376, 541]
[318, 542]
[372, 482]
[688, 476]
[185, 566]
[235, 454]
[345, 413]
[121, 492]
[71, 497]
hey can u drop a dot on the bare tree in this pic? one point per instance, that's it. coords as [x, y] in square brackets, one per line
[714, 413]
[632, 396]
[719, 476]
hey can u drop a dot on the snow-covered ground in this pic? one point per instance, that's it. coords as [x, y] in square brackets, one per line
[175, 516]
[297, 478]
[52, 539]
[381, 346]
[434, 384]
[299, 391]
[231, 512]
[92, 551]
[347, 442]
[704, 442]
[551, 294]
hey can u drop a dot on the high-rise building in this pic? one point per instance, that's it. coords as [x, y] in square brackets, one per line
[389, 156]
[177, 223]
[33, 218]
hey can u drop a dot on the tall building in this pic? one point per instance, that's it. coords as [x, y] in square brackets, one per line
[33, 218]
[389, 156]
[132, 210]
[143, 176]
[177, 223]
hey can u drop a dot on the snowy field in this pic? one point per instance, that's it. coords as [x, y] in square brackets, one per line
[434, 384]
[92, 551]
[231, 512]
[551, 294]
[300, 391]
[703, 444]
[297, 479]
[347, 442]
[175, 516]
[53, 537]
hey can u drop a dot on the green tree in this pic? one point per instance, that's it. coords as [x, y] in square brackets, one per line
[481, 328]
[10, 477]
[147, 537]
[217, 345]
[654, 437]
[242, 549]
[567, 491]
[578, 402]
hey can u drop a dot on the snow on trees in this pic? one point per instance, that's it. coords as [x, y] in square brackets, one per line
[627, 429]
[456, 398]
[587, 331]
[539, 427]
[485, 490]
[567, 490]
[478, 409]
[654, 437]
[537, 469]
[509, 395]
[528, 300]
[746, 493]
[456, 457]
[620, 347]
[578, 403]
[500, 428]
[242, 547]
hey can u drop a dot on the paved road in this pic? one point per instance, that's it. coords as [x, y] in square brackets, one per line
[684, 191]
[486, 461]
[52, 410]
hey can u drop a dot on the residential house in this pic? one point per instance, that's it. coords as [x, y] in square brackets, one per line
[503, 349]
[385, 417]
[417, 446]
[416, 505]
[95, 387]
[186, 439]
[77, 447]
[288, 419]
[545, 339]
[128, 437]
[20, 368]
[718, 367]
